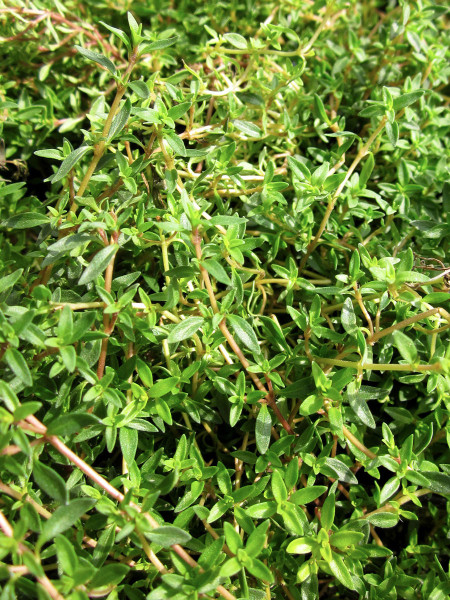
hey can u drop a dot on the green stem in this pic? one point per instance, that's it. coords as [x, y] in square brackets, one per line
[243, 584]
[331, 204]
[377, 367]
[99, 148]
[402, 324]
[402, 500]
[354, 440]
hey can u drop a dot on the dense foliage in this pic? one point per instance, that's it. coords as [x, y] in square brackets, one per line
[224, 326]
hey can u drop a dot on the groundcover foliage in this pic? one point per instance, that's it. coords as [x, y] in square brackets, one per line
[224, 294]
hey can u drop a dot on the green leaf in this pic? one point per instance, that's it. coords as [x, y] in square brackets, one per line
[215, 269]
[320, 108]
[119, 33]
[340, 571]
[140, 89]
[339, 470]
[64, 517]
[359, 405]
[104, 546]
[257, 539]
[308, 494]
[175, 143]
[65, 245]
[163, 387]
[230, 567]
[327, 512]
[303, 545]
[236, 40]
[24, 410]
[142, 425]
[261, 510]
[278, 487]
[405, 346]
[50, 153]
[161, 44]
[71, 423]
[98, 264]
[179, 110]
[67, 557]
[247, 127]
[167, 535]
[185, 329]
[366, 171]
[383, 519]
[69, 357]
[98, 58]
[244, 332]
[109, 576]
[191, 496]
[348, 317]
[438, 482]
[259, 570]
[232, 537]
[144, 372]
[51, 482]
[263, 429]
[128, 443]
[311, 404]
[310, 587]
[7, 282]
[120, 120]
[18, 365]
[407, 99]
[135, 28]
[25, 220]
[163, 410]
[392, 132]
[69, 162]
[8, 396]
[320, 174]
[65, 325]
[299, 169]
[433, 298]
[389, 489]
[344, 539]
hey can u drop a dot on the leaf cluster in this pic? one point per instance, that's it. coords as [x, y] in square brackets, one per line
[224, 300]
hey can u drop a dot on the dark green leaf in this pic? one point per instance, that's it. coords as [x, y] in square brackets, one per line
[161, 44]
[109, 575]
[244, 332]
[348, 317]
[71, 423]
[69, 162]
[438, 482]
[215, 269]
[383, 519]
[98, 58]
[51, 482]
[407, 99]
[359, 405]
[167, 535]
[18, 365]
[65, 516]
[98, 264]
[128, 443]
[405, 346]
[263, 429]
[25, 220]
[185, 329]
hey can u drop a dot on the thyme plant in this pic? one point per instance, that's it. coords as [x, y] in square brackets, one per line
[224, 300]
